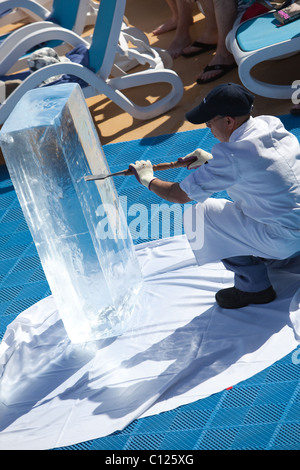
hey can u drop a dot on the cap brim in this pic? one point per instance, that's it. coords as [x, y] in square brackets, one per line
[227, 99]
[200, 114]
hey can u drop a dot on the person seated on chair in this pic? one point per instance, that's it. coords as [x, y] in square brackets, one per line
[257, 161]
[180, 21]
[219, 19]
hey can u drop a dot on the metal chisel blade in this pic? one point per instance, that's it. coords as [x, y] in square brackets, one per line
[102, 177]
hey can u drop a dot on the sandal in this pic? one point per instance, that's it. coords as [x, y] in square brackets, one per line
[202, 46]
[223, 70]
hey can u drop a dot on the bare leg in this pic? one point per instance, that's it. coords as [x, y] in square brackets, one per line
[225, 15]
[171, 23]
[182, 36]
[210, 33]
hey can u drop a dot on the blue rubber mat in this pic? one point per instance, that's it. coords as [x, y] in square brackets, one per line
[260, 413]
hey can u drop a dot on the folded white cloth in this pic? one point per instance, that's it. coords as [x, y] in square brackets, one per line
[180, 347]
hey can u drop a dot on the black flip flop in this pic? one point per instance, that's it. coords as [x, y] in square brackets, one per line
[202, 46]
[223, 70]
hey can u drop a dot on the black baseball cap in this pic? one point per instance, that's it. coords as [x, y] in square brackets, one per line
[227, 99]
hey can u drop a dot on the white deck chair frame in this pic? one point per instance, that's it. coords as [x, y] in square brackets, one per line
[8, 51]
[23, 10]
[246, 60]
[30, 10]
[99, 81]
[127, 57]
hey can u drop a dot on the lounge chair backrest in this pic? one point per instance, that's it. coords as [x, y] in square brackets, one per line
[69, 14]
[106, 35]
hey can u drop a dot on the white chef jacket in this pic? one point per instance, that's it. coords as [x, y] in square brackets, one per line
[260, 170]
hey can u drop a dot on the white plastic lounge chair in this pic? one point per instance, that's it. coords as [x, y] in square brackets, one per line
[67, 14]
[134, 49]
[100, 54]
[64, 13]
[41, 10]
[260, 39]
[91, 15]
[15, 11]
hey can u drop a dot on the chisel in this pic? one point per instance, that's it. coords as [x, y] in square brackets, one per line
[158, 167]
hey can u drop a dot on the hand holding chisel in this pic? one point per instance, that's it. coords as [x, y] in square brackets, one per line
[191, 161]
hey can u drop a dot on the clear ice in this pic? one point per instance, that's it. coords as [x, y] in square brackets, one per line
[49, 144]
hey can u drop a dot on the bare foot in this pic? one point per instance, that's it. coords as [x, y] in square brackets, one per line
[169, 25]
[176, 46]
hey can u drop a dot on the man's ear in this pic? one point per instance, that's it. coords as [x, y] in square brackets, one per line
[231, 123]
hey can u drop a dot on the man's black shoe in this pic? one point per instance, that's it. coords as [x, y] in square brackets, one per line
[235, 298]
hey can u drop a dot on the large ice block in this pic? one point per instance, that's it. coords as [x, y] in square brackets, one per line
[49, 144]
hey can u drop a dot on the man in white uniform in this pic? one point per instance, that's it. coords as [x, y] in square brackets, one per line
[258, 163]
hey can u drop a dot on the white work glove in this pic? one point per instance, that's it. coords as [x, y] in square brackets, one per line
[197, 158]
[143, 171]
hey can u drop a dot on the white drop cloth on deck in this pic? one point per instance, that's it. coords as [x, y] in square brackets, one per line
[181, 347]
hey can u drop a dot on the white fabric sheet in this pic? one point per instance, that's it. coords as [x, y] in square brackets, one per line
[180, 347]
